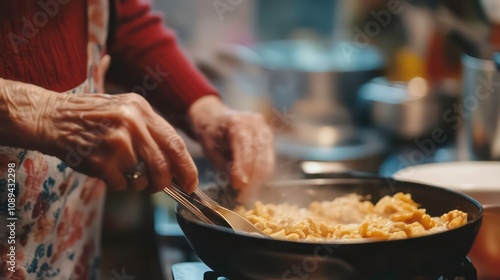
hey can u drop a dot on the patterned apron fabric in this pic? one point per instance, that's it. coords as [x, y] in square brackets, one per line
[59, 211]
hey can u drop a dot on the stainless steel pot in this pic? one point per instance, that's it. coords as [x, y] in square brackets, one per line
[318, 82]
[404, 110]
[363, 150]
[480, 108]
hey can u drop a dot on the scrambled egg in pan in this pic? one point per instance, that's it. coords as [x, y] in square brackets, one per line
[350, 217]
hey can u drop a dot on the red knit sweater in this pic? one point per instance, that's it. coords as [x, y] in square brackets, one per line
[50, 51]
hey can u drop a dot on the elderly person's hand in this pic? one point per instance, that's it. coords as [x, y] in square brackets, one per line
[106, 136]
[239, 143]
[100, 135]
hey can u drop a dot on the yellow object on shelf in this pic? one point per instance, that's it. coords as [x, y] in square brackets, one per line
[407, 64]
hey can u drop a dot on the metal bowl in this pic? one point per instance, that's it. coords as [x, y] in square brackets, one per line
[315, 81]
[404, 110]
[478, 179]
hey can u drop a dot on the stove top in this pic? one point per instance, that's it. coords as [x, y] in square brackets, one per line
[199, 271]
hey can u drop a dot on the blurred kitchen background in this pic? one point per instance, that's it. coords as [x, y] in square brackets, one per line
[365, 85]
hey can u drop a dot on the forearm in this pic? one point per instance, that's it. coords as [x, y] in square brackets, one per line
[147, 59]
[23, 108]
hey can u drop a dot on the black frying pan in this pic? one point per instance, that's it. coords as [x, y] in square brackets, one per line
[240, 256]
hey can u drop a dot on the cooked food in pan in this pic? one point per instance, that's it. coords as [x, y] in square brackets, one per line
[350, 217]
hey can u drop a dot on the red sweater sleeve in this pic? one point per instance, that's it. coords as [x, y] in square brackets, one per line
[147, 59]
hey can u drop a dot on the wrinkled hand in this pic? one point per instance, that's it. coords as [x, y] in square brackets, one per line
[106, 136]
[240, 143]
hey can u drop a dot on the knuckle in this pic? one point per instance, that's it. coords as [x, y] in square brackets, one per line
[160, 125]
[161, 164]
[234, 130]
[135, 102]
[136, 99]
[126, 113]
[177, 144]
[258, 117]
[265, 136]
[117, 142]
[234, 120]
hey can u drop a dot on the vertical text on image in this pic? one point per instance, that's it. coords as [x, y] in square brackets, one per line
[11, 216]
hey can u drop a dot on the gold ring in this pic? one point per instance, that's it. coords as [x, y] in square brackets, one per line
[137, 171]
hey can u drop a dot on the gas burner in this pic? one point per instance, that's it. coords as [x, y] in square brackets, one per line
[199, 271]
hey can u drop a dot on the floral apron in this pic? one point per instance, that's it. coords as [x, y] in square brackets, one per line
[58, 211]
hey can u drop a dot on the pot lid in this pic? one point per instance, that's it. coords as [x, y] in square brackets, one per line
[311, 56]
[360, 144]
